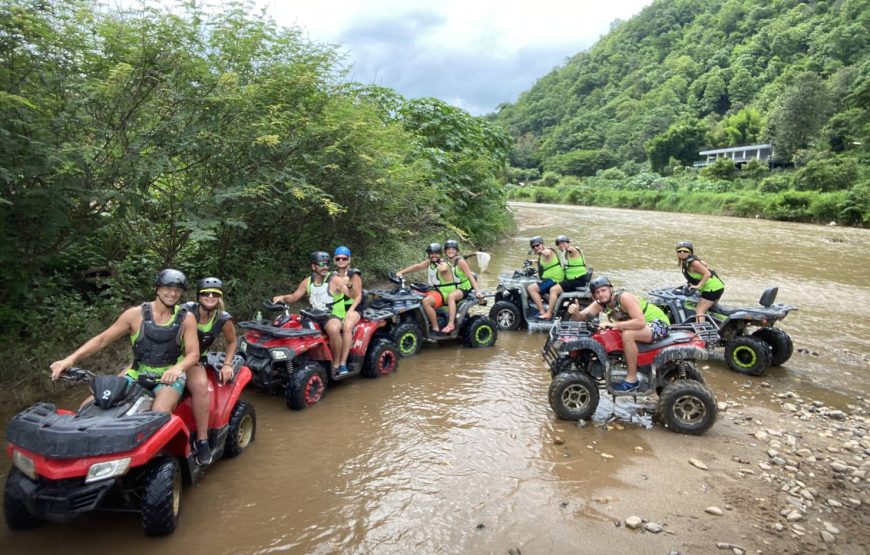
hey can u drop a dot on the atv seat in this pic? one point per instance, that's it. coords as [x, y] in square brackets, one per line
[722, 309]
[673, 338]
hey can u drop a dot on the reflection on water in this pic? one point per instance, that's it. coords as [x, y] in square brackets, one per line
[456, 452]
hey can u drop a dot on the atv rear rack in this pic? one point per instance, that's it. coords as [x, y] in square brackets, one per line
[708, 331]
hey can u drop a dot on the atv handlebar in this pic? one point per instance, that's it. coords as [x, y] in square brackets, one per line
[76, 375]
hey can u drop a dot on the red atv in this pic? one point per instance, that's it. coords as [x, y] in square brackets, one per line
[584, 359]
[291, 356]
[115, 453]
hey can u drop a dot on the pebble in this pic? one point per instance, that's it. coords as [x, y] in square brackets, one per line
[633, 522]
[716, 511]
[653, 528]
[839, 467]
[830, 527]
[698, 464]
[722, 406]
[558, 440]
[606, 456]
[834, 503]
[794, 516]
[778, 527]
[828, 537]
[836, 415]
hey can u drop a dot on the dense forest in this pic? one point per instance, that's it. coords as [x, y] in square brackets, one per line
[214, 142]
[622, 123]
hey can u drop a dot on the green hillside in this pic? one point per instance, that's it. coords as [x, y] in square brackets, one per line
[684, 75]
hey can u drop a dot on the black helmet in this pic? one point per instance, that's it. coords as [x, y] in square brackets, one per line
[210, 284]
[598, 283]
[319, 256]
[562, 239]
[686, 245]
[451, 244]
[536, 240]
[171, 278]
[433, 247]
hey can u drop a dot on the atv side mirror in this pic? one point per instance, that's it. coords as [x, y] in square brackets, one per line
[768, 296]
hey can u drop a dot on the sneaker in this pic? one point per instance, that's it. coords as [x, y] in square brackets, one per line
[203, 452]
[343, 369]
[625, 385]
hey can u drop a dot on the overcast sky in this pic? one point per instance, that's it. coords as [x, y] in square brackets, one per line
[474, 54]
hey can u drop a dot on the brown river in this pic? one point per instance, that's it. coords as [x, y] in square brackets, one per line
[455, 452]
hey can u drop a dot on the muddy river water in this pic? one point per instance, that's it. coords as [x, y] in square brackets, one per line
[455, 452]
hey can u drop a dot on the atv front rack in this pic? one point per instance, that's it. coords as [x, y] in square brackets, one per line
[266, 327]
[708, 331]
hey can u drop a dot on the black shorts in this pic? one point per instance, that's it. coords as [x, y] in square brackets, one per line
[573, 284]
[713, 295]
[465, 294]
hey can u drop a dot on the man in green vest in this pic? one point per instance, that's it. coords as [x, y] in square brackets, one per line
[640, 322]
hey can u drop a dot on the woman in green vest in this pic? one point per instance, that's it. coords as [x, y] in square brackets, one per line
[700, 278]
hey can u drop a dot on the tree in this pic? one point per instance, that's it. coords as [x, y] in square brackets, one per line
[800, 112]
[681, 141]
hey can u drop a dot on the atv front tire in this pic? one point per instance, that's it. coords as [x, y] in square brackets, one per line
[781, 346]
[749, 355]
[382, 359]
[408, 339]
[688, 407]
[161, 500]
[480, 331]
[242, 430]
[306, 387]
[18, 516]
[506, 315]
[573, 396]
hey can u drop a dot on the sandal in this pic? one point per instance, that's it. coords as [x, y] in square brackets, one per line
[448, 328]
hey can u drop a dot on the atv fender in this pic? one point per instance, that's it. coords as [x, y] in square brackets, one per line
[671, 354]
[243, 377]
[589, 344]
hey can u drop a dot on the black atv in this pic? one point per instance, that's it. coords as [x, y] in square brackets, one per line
[751, 342]
[514, 308]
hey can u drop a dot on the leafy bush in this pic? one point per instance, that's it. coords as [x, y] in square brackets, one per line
[833, 174]
[776, 182]
[722, 168]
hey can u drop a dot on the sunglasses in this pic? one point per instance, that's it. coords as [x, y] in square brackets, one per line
[341, 258]
[321, 264]
[683, 250]
[211, 294]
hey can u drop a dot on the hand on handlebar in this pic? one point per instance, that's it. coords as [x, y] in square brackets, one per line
[59, 366]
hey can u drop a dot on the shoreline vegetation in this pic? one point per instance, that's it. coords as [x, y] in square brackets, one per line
[749, 197]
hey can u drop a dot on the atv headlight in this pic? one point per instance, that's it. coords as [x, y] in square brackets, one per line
[280, 354]
[107, 469]
[24, 463]
[243, 346]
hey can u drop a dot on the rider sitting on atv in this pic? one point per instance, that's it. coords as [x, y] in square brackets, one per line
[439, 276]
[700, 278]
[165, 344]
[575, 273]
[465, 282]
[211, 320]
[324, 293]
[550, 271]
[353, 279]
[639, 320]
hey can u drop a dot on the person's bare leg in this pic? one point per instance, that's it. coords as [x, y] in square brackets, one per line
[197, 385]
[535, 294]
[429, 309]
[350, 320]
[333, 330]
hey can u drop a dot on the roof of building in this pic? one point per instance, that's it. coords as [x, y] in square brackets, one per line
[735, 149]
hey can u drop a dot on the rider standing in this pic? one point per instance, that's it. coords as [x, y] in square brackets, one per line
[640, 322]
[550, 271]
[163, 336]
[700, 278]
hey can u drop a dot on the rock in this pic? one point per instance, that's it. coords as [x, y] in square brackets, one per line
[715, 511]
[791, 407]
[481, 526]
[828, 537]
[652, 527]
[836, 414]
[830, 527]
[606, 456]
[839, 467]
[722, 406]
[760, 436]
[698, 464]
[778, 527]
[794, 516]
[834, 503]
[558, 440]
[633, 522]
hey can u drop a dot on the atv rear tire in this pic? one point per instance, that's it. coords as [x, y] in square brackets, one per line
[687, 407]
[408, 339]
[480, 331]
[573, 396]
[506, 315]
[382, 359]
[781, 346]
[306, 386]
[746, 354]
[161, 499]
[18, 516]
[242, 430]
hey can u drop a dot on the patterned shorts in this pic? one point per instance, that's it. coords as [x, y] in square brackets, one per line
[659, 330]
